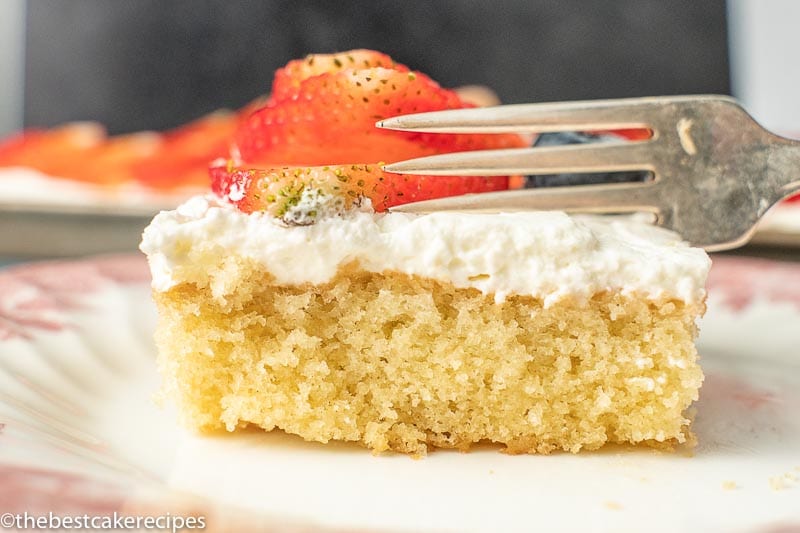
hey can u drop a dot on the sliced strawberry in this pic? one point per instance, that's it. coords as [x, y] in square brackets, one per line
[79, 151]
[82, 151]
[183, 157]
[48, 151]
[286, 83]
[111, 162]
[634, 134]
[332, 121]
[320, 119]
[278, 190]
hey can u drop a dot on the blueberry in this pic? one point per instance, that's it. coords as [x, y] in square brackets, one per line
[568, 137]
[571, 137]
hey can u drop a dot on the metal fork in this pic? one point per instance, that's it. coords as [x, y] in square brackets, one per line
[715, 170]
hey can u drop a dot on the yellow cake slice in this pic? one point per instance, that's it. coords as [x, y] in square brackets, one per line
[537, 330]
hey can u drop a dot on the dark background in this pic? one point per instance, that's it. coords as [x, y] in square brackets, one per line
[153, 64]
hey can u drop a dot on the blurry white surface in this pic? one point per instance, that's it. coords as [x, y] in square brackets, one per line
[764, 48]
[12, 64]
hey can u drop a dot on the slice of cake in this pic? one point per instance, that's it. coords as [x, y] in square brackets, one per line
[291, 299]
[535, 330]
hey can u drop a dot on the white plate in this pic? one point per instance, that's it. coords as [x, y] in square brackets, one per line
[57, 217]
[81, 433]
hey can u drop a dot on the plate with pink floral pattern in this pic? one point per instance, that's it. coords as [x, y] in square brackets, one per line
[81, 432]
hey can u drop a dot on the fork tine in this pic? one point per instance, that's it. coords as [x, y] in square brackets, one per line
[542, 160]
[611, 198]
[586, 115]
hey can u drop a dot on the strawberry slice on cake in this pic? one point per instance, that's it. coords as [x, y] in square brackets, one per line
[296, 193]
[316, 138]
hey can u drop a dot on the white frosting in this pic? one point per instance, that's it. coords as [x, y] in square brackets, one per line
[549, 255]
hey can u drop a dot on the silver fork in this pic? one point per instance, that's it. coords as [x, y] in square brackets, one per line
[715, 170]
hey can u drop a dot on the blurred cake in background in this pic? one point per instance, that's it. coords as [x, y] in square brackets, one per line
[79, 164]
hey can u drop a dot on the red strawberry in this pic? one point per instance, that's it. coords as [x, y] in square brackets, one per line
[636, 134]
[287, 80]
[281, 192]
[331, 120]
[111, 162]
[185, 152]
[49, 150]
[308, 147]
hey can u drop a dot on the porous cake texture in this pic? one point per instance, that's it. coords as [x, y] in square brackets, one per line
[402, 361]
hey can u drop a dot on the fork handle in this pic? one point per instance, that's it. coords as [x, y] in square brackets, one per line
[783, 166]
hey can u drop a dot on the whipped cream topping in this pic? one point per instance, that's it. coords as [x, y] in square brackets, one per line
[548, 255]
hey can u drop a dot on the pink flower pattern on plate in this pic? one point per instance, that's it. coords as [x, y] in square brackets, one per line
[34, 297]
[738, 281]
[37, 491]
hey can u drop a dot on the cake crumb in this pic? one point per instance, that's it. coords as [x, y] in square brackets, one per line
[729, 485]
[614, 506]
[783, 481]
[777, 483]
